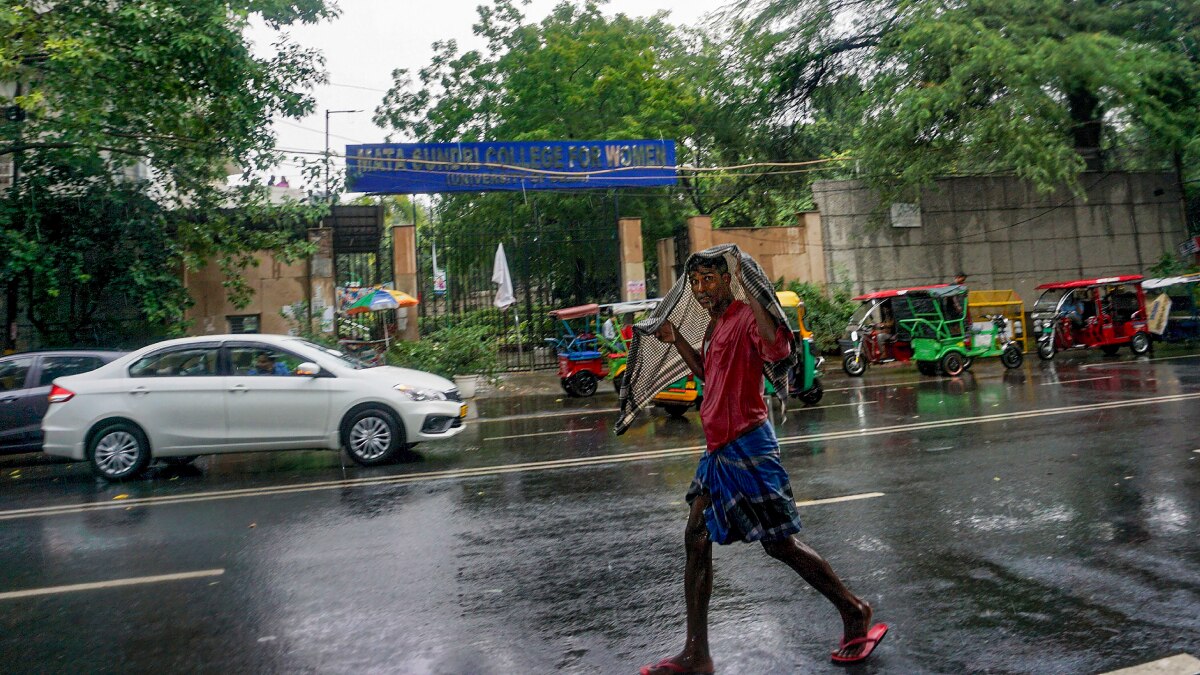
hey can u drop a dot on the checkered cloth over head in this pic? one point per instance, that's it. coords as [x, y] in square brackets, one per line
[652, 364]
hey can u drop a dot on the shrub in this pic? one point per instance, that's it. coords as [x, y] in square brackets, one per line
[448, 352]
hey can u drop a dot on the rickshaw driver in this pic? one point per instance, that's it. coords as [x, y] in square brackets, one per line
[741, 452]
[1073, 310]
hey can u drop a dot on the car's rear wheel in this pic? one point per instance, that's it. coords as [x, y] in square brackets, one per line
[372, 437]
[119, 451]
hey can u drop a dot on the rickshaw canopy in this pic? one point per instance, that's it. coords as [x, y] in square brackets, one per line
[569, 313]
[631, 307]
[1087, 283]
[881, 295]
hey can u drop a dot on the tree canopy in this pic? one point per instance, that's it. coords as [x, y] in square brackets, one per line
[124, 119]
[1042, 88]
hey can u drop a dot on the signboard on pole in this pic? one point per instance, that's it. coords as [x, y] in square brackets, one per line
[418, 168]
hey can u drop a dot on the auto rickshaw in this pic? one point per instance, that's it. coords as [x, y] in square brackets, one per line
[1175, 317]
[934, 323]
[1106, 312]
[871, 336]
[617, 348]
[581, 364]
[804, 382]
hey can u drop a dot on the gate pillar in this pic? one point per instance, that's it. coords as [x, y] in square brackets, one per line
[322, 299]
[633, 262]
[404, 264]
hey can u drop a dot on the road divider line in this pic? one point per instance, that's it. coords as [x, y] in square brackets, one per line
[114, 583]
[1137, 363]
[577, 462]
[1086, 379]
[836, 405]
[542, 433]
[836, 500]
[534, 416]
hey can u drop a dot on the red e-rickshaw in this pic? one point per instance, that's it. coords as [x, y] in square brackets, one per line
[1106, 312]
[581, 364]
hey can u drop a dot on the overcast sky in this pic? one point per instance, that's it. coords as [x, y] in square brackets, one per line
[374, 37]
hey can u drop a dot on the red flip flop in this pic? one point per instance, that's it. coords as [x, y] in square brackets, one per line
[871, 641]
[671, 667]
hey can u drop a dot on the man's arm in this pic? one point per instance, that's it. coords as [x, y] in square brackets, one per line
[767, 328]
[667, 334]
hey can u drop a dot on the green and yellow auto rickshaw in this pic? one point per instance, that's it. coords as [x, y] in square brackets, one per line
[804, 382]
[934, 322]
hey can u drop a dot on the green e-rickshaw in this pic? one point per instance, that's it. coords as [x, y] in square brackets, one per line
[934, 321]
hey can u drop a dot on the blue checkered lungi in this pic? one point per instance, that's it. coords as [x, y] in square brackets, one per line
[751, 495]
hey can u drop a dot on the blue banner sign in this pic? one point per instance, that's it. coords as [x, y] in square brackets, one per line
[417, 168]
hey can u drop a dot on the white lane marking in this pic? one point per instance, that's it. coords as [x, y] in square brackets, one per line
[1180, 664]
[115, 583]
[836, 405]
[1086, 379]
[835, 500]
[1139, 362]
[545, 465]
[543, 433]
[534, 416]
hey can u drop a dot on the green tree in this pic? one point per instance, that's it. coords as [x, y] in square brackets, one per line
[123, 121]
[1042, 88]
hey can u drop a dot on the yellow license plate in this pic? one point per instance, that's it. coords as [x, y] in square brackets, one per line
[462, 410]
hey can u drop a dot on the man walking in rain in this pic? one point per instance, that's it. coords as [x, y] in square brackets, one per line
[741, 491]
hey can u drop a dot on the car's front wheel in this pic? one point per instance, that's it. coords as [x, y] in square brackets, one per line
[372, 437]
[119, 451]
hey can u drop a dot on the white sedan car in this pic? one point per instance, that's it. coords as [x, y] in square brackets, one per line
[234, 393]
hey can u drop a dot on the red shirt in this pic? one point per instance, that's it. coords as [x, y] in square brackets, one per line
[733, 377]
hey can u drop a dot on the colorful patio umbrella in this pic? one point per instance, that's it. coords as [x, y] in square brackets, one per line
[381, 299]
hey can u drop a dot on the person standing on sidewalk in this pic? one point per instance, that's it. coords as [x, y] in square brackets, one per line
[741, 491]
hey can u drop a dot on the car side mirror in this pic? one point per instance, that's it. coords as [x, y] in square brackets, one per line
[308, 369]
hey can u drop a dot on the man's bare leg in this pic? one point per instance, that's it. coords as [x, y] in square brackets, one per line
[856, 613]
[697, 589]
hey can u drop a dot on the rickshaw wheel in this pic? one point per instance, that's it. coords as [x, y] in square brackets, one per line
[854, 365]
[813, 395]
[582, 384]
[927, 367]
[1012, 357]
[968, 362]
[1110, 350]
[1045, 350]
[952, 364]
[1140, 343]
[562, 381]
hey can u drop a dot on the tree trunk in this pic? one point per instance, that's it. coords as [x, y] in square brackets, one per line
[1087, 125]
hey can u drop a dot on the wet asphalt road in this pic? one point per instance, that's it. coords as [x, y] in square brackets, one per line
[1035, 521]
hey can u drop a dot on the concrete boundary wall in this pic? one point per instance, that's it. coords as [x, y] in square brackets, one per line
[1001, 232]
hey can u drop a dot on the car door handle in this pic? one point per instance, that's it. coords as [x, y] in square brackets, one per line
[9, 399]
[238, 388]
[139, 390]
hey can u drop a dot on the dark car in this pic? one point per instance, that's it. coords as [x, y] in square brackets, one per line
[24, 385]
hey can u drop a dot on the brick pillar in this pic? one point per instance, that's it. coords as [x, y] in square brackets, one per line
[633, 264]
[322, 302]
[404, 263]
[666, 266]
[699, 233]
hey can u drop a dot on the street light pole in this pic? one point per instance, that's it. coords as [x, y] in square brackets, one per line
[328, 112]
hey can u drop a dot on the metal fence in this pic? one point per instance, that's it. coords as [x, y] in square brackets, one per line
[551, 267]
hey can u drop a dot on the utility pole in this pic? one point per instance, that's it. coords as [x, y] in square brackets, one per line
[328, 112]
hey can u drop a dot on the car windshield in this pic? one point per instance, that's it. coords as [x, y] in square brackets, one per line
[345, 359]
